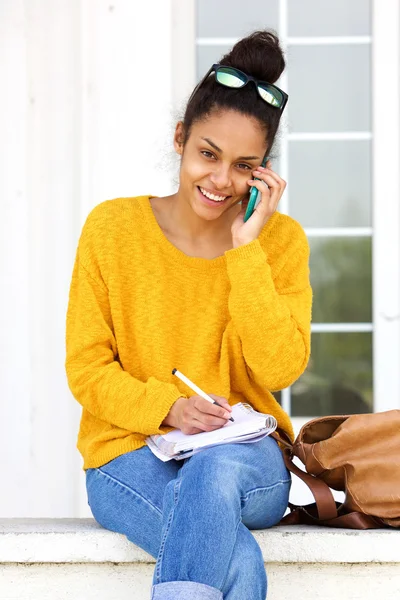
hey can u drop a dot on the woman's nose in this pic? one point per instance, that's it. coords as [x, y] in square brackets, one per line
[221, 177]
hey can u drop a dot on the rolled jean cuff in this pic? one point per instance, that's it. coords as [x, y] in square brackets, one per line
[185, 590]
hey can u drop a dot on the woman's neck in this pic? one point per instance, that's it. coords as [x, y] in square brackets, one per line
[182, 221]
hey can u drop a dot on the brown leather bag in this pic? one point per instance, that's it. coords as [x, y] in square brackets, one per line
[357, 454]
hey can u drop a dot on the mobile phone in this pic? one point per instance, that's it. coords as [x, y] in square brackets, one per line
[255, 196]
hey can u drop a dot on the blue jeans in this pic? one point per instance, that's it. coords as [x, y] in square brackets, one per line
[194, 516]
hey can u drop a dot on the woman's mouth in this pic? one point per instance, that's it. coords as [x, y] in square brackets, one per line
[211, 199]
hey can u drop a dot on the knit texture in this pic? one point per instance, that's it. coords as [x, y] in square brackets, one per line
[237, 325]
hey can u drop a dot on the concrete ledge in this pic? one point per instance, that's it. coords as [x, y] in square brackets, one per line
[76, 559]
[84, 541]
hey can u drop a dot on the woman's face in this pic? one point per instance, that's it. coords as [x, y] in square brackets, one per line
[217, 160]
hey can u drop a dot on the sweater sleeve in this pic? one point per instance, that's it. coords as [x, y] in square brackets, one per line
[95, 376]
[272, 317]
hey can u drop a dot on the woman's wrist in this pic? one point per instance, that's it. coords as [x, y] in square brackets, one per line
[172, 420]
[237, 243]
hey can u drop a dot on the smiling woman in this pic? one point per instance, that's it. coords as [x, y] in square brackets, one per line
[184, 281]
[213, 172]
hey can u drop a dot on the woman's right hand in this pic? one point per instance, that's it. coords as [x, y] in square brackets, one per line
[195, 414]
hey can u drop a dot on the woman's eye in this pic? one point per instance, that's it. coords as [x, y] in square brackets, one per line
[207, 154]
[242, 166]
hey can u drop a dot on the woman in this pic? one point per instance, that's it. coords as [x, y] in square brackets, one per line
[186, 282]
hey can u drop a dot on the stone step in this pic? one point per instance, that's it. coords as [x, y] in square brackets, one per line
[76, 559]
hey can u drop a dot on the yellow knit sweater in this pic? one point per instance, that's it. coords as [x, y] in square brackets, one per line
[237, 325]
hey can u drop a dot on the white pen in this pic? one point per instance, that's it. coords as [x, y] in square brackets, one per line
[196, 389]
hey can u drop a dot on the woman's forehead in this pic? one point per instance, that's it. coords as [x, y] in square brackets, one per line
[230, 129]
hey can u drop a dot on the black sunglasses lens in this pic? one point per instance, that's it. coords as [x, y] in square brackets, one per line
[270, 95]
[233, 78]
[229, 77]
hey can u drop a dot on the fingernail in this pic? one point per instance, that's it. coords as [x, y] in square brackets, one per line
[227, 415]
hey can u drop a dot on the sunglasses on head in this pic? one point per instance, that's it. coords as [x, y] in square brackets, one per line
[233, 78]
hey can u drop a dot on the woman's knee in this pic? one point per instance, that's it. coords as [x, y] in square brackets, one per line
[237, 468]
[250, 479]
[264, 507]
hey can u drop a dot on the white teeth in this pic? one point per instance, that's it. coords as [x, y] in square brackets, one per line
[212, 196]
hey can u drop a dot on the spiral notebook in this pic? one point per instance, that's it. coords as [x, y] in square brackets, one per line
[249, 426]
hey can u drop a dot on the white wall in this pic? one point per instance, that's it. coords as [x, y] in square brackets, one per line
[86, 113]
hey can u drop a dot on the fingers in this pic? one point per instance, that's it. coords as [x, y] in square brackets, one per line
[276, 186]
[271, 178]
[210, 416]
[197, 414]
[222, 401]
[208, 423]
[207, 408]
[192, 430]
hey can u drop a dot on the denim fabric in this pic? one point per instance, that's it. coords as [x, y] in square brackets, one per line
[183, 590]
[194, 516]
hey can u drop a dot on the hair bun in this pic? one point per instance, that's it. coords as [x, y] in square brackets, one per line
[259, 54]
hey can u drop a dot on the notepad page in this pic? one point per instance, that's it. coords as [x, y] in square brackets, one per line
[246, 421]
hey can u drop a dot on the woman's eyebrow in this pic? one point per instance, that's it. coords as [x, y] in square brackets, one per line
[219, 150]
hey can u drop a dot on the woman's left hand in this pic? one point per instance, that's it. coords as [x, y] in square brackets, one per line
[243, 233]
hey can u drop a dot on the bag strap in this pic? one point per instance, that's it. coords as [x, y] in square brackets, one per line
[325, 510]
[307, 515]
[325, 502]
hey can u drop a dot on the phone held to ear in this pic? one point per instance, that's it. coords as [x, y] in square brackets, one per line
[255, 196]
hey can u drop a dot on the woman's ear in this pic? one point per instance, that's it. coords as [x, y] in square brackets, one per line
[178, 138]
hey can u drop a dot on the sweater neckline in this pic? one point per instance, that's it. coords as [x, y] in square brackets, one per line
[168, 247]
[194, 262]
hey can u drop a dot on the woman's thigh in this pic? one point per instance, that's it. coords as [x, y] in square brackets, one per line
[126, 495]
[252, 476]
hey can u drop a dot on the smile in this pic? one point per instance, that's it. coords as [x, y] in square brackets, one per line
[213, 197]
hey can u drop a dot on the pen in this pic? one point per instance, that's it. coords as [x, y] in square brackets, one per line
[196, 389]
